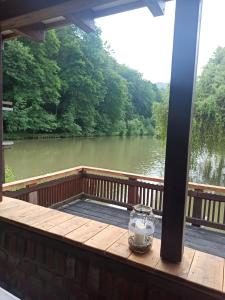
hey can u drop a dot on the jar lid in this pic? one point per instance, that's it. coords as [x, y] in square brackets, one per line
[143, 209]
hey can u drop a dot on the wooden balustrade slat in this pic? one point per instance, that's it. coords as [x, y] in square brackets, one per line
[151, 198]
[97, 188]
[102, 188]
[121, 193]
[101, 191]
[114, 191]
[118, 192]
[160, 200]
[108, 190]
[218, 212]
[188, 206]
[213, 211]
[209, 209]
[224, 213]
[144, 197]
[148, 197]
[141, 195]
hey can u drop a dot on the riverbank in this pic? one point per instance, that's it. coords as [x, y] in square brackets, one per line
[45, 136]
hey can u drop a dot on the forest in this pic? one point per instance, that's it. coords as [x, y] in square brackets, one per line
[209, 101]
[72, 86]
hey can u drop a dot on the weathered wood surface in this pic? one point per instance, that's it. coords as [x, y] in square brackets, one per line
[196, 268]
[197, 238]
[208, 269]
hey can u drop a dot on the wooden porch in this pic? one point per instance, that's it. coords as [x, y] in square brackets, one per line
[201, 239]
[49, 254]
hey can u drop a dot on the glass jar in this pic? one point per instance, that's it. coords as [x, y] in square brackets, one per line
[141, 228]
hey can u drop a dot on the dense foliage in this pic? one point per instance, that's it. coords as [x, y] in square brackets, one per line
[71, 84]
[209, 104]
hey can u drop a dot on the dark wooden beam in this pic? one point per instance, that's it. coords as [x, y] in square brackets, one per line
[34, 32]
[185, 51]
[118, 9]
[11, 8]
[157, 7]
[42, 11]
[1, 117]
[84, 20]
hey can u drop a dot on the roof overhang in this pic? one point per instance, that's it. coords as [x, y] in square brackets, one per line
[31, 17]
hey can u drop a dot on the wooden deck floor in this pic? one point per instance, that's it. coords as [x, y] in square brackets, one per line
[197, 238]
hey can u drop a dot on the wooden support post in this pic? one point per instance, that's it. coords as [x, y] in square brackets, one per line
[185, 51]
[1, 118]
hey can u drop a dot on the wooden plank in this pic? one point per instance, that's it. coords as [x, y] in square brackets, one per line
[157, 7]
[14, 210]
[33, 32]
[54, 219]
[207, 270]
[149, 259]
[26, 212]
[9, 202]
[118, 9]
[180, 269]
[45, 11]
[106, 237]
[68, 226]
[33, 215]
[120, 247]
[85, 232]
[85, 21]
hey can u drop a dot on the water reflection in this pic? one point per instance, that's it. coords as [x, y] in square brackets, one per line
[145, 155]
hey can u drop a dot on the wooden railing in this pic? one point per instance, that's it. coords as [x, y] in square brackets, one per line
[205, 204]
[50, 193]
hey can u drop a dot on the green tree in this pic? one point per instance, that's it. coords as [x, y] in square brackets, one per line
[71, 84]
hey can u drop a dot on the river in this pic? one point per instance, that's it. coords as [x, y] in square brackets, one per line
[143, 155]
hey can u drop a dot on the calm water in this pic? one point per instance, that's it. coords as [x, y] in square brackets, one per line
[144, 155]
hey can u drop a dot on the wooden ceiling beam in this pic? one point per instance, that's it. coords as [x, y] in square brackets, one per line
[11, 8]
[118, 9]
[64, 8]
[157, 7]
[84, 20]
[35, 32]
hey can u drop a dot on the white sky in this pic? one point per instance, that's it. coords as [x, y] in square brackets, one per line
[144, 43]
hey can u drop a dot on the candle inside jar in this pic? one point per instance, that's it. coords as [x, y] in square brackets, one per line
[140, 232]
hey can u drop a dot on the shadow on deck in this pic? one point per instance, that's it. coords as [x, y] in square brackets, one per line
[200, 239]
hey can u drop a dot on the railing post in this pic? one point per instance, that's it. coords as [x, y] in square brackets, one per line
[197, 208]
[82, 184]
[33, 196]
[132, 193]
